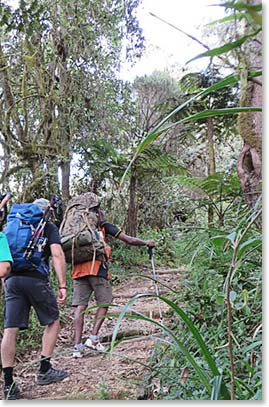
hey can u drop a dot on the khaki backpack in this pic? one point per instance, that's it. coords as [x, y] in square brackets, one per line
[80, 233]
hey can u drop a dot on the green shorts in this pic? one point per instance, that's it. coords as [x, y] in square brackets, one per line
[84, 287]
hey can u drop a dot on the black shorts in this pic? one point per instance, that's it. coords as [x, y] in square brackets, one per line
[22, 293]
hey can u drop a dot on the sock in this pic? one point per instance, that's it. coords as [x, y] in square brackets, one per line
[94, 338]
[79, 345]
[44, 364]
[8, 375]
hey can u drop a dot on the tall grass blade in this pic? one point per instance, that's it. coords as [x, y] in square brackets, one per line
[202, 346]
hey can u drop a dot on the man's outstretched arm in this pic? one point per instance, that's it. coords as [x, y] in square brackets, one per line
[134, 241]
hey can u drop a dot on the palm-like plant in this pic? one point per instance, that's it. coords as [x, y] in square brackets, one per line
[219, 190]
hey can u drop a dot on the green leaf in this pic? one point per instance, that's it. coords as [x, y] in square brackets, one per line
[241, 6]
[229, 80]
[224, 48]
[254, 345]
[226, 19]
[220, 112]
[202, 346]
[231, 236]
[242, 383]
[197, 116]
[176, 341]
[233, 296]
[218, 241]
[156, 132]
[245, 295]
[216, 388]
[249, 244]
[249, 368]
[240, 305]
[220, 298]
[257, 18]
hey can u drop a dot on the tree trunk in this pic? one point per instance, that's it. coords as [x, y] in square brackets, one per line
[211, 165]
[249, 169]
[65, 168]
[131, 224]
[60, 49]
[249, 165]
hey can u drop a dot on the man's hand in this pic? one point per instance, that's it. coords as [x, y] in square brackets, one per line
[134, 241]
[59, 267]
[62, 295]
[5, 268]
[150, 243]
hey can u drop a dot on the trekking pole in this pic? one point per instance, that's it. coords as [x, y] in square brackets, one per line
[150, 252]
[53, 205]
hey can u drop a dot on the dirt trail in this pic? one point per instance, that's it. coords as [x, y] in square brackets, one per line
[103, 376]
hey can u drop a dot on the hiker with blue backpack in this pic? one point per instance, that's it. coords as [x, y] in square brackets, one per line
[32, 239]
[83, 231]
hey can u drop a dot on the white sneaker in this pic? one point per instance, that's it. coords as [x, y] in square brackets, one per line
[78, 350]
[96, 345]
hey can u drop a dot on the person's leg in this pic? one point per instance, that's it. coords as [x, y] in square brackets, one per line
[16, 316]
[45, 305]
[93, 340]
[81, 295]
[8, 347]
[103, 296]
[8, 351]
[99, 320]
[44, 301]
[79, 323]
[47, 374]
[49, 338]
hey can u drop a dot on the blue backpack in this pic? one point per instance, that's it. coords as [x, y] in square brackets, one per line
[22, 221]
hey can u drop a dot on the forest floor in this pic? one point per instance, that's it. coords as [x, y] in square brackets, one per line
[119, 375]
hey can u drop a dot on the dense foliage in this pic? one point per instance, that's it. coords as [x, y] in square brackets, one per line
[208, 255]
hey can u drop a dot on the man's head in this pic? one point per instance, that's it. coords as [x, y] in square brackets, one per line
[42, 203]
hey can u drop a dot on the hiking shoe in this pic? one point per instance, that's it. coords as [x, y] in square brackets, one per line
[96, 345]
[51, 376]
[78, 351]
[11, 392]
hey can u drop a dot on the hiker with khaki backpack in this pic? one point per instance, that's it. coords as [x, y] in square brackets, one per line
[83, 234]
